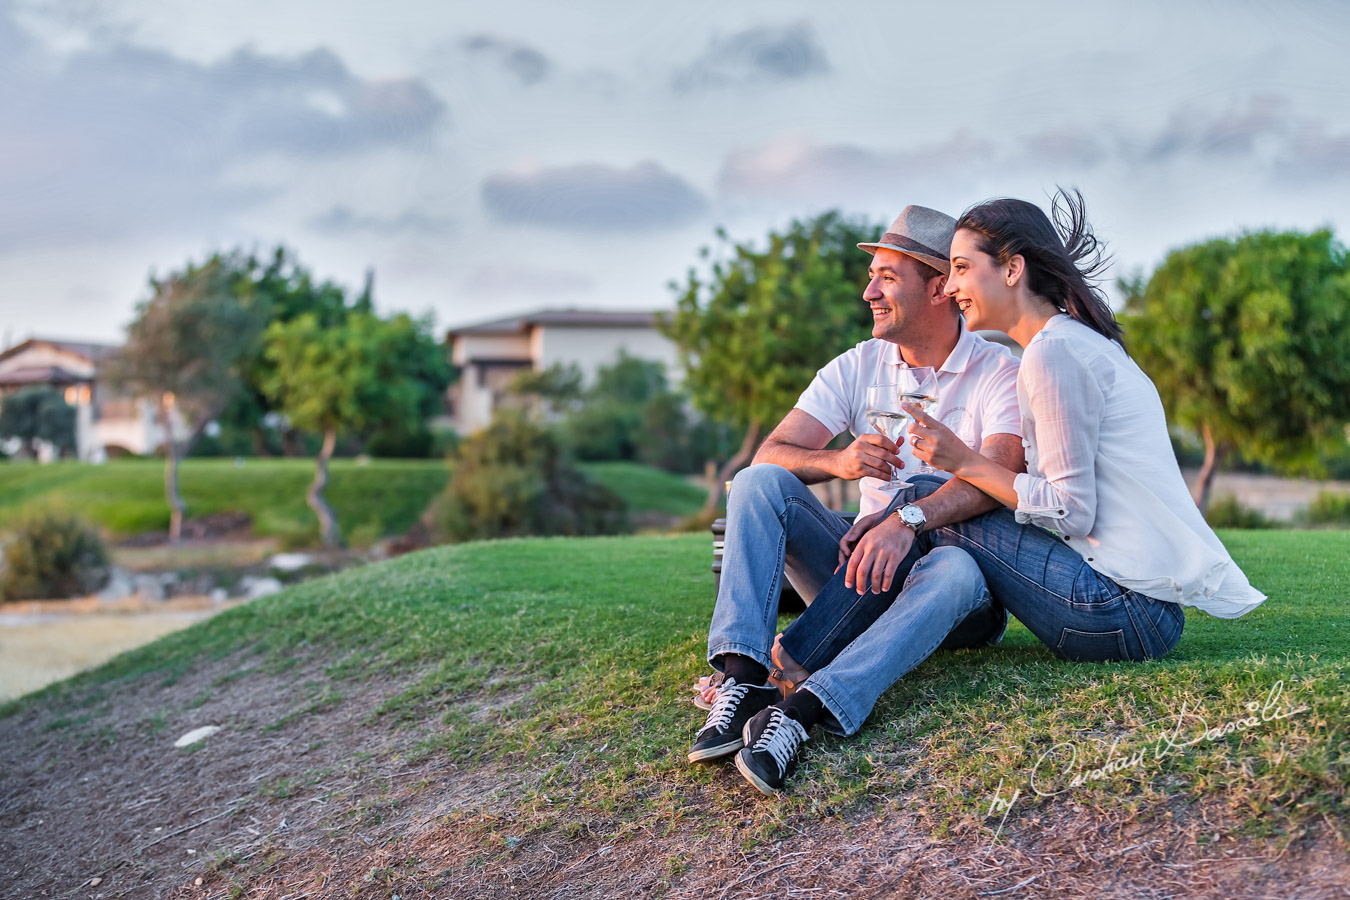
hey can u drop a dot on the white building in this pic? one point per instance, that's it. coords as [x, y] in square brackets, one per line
[491, 354]
[106, 422]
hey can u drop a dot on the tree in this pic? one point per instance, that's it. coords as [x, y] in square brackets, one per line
[353, 377]
[753, 333]
[285, 290]
[513, 478]
[1246, 341]
[38, 414]
[185, 350]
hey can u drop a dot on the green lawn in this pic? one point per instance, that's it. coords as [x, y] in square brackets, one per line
[583, 648]
[382, 497]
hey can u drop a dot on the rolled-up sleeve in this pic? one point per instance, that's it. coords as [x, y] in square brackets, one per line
[1065, 403]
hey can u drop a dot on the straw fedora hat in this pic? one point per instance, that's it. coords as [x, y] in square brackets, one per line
[922, 233]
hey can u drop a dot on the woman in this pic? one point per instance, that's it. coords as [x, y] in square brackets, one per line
[1100, 545]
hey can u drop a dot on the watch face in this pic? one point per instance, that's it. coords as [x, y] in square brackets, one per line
[912, 515]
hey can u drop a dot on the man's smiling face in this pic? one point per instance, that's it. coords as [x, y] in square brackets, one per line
[896, 292]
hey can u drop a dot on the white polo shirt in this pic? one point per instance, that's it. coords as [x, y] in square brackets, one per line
[977, 397]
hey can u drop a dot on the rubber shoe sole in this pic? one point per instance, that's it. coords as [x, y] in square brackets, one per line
[749, 775]
[733, 743]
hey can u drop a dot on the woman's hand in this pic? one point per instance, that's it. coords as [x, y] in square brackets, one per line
[935, 443]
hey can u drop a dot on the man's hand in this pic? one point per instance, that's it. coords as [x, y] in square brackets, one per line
[877, 553]
[869, 454]
[860, 526]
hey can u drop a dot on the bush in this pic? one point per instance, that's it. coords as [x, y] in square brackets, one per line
[1328, 508]
[511, 479]
[53, 555]
[1227, 512]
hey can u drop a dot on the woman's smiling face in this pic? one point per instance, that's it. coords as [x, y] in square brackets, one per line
[978, 283]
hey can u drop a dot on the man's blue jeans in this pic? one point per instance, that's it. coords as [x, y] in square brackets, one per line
[774, 520]
[1077, 612]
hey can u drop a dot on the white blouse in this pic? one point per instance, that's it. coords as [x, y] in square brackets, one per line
[1101, 474]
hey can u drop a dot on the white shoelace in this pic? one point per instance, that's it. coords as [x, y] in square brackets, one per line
[729, 696]
[780, 738]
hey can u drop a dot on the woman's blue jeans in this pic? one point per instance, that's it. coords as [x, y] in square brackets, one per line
[1076, 612]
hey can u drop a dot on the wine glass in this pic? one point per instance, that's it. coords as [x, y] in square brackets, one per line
[886, 417]
[919, 385]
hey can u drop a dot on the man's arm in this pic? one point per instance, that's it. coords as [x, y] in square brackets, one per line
[875, 546]
[798, 445]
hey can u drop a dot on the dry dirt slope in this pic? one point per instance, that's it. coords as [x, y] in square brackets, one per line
[326, 805]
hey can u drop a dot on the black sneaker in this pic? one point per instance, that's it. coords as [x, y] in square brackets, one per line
[772, 739]
[735, 704]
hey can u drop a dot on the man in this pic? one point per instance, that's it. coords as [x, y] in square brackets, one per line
[774, 520]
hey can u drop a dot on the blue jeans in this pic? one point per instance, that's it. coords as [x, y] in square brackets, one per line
[941, 589]
[1078, 613]
[773, 522]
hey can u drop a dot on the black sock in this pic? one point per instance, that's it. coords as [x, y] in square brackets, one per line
[805, 707]
[744, 669]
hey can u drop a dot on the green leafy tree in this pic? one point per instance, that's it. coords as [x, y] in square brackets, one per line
[1246, 340]
[38, 414]
[359, 375]
[753, 332]
[285, 290]
[557, 388]
[185, 350]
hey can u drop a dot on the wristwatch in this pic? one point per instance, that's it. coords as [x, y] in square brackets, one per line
[912, 516]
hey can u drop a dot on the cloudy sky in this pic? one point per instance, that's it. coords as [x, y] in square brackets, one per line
[489, 158]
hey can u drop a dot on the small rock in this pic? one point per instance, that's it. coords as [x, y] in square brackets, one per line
[195, 735]
[95, 882]
[198, 882]
[260, 587]
[292, 564]
[119, 585]
[149, 587]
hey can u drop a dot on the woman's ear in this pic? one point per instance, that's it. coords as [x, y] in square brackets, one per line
[1015, 269]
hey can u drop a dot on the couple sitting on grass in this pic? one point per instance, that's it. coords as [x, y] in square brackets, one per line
[1056, 497]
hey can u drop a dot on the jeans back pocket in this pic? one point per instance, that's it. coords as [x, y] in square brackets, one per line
[1092, 646]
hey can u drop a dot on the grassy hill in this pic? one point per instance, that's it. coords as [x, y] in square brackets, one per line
[379, 498]
[511, 716]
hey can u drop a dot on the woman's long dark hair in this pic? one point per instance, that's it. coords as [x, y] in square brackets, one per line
[1063, 257]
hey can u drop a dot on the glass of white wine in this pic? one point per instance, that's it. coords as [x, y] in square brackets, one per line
[886, 417]
[918, 385]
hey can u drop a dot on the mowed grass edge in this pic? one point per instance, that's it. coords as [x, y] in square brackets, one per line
[373, 499]
[582, 651]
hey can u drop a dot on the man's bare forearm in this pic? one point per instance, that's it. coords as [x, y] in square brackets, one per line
[810, 466]
[955, 501]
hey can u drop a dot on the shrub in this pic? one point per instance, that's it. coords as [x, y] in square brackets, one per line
[53, 555]
[1328, 508]
[1227, 512]
[512, 479]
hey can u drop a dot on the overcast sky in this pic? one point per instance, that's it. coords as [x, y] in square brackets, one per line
[490, 158]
